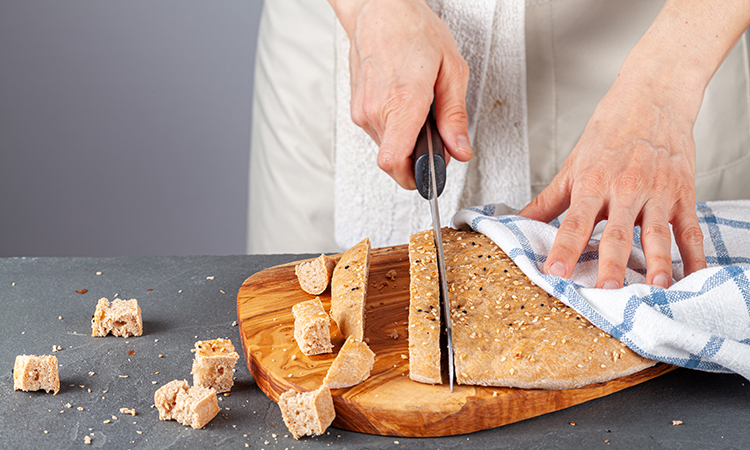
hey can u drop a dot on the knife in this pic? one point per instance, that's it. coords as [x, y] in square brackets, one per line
[429, 176]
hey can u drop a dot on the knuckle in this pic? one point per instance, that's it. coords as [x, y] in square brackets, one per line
[611, 267]
[618, 235]
[691, 235]
[660, 261]
[628, 182]
[575, 225]
[658, 231]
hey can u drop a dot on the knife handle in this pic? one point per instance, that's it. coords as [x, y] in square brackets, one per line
[421, 159]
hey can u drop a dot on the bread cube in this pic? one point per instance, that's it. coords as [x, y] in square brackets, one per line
[34, 373]
[311, 327]
[121, 318]
[213, 366]
[351, 366]
[191, 406]
[307, 413]
[314, 276]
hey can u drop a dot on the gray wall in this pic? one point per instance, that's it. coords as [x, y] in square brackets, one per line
[125, 126]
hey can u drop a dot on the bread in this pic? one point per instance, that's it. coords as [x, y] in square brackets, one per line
[313, 276]
[349, 290]
[193, 406]
[307, 413]
[213, 365]
[352, 365]
[121, 318]
[311, 327]
[509, 332]
[424, 310]
[34, 373]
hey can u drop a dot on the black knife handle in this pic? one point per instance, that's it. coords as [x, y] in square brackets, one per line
[421, 159]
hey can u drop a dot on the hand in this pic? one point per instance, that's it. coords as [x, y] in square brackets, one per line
[634, 165]
[402, 56]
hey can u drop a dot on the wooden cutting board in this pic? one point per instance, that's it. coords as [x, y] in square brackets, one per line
[389, 402]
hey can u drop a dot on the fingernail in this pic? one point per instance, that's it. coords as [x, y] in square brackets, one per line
[557, 269]
[661, 280]
[462, 144]
[610, 285]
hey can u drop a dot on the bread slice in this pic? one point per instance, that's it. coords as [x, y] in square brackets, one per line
[121, 318]
[213, 365]
[307, 413]
[351, 366]
[34, 373]
[314, 276]
[349, 290]
[424, 310]
[311, 327]
[192, 406]
[509, 332]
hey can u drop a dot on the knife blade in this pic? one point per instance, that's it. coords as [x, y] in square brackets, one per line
[430, 176]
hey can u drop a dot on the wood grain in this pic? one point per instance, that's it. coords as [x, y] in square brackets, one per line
[388, 403]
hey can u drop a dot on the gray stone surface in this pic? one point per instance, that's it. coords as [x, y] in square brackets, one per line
[185, 299]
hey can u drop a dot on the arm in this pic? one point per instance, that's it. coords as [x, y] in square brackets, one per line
[401, 57]
[635, 162]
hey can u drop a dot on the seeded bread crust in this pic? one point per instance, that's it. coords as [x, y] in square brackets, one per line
[311, 327]
[352, 365]
[349, 290]
[307, 413]
[509, 332]
[424, 310]
[314, 276]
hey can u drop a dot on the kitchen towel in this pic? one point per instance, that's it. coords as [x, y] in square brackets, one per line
[701, 322]
[368, 203]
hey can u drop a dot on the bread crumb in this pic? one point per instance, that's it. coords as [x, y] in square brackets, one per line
[210, 278]
[123, 376]
[234, 323]
[127, 411]
[107, 421]
[391, 274]
[56, 348]
[676, 422]
[80, 408]
[87, 440]
[393, 335]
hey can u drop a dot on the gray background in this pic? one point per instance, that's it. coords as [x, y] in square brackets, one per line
[125, 126]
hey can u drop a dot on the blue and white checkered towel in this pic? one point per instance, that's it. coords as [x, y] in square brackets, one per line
[702, 321]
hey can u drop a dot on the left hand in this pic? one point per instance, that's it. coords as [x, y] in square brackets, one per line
[634, 165]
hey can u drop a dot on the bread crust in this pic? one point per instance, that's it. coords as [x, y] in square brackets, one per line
[424, 310]
[349, 290]
[352, 365]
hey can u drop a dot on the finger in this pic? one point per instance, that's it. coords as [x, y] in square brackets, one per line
[550, 203]
[615, 246]
[572, 237]
[397, 144]
[657, 245]
[450, 107]
[689, 238]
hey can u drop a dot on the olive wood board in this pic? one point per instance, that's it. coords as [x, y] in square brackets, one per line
[388, 402]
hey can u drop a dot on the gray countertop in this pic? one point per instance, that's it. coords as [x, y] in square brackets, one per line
[185, 299]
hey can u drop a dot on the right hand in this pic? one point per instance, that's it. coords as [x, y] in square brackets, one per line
[401, 57]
